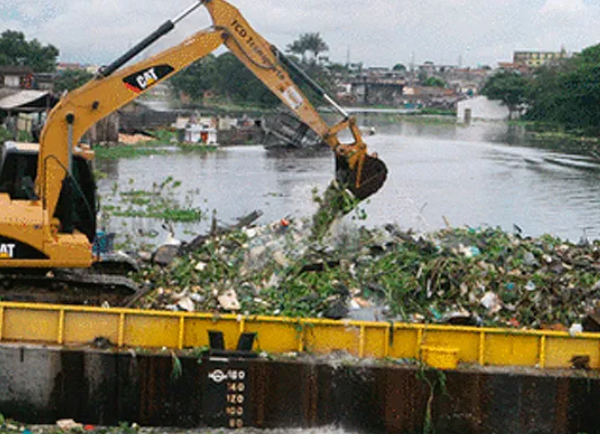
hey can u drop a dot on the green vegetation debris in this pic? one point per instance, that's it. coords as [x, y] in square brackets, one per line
[158, 203]
[482, 276]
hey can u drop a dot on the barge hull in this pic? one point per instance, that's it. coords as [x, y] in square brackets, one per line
[40, 385]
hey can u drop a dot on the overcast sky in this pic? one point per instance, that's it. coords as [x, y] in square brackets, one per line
[376, 32]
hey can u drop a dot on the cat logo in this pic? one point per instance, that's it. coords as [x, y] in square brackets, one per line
[144, 79]
[7, 251]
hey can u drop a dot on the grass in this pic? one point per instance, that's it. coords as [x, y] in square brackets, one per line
[549, 131]
[437, 111]
[144, 150]
[162, 138]
[126, 151]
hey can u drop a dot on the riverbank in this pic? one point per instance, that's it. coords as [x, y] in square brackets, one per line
[542, 132]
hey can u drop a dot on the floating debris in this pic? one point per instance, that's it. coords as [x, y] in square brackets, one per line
[229, 300]
[482, 276]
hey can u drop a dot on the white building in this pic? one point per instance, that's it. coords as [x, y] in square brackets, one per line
[483, 108]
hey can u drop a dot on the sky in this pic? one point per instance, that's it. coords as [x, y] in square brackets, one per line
[375, 32]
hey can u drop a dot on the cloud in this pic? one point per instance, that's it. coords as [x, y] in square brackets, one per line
[378, 32]
[562, 8]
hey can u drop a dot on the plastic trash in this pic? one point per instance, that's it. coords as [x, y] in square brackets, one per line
[229, 300]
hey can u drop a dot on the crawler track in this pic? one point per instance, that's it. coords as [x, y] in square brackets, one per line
[67, 286]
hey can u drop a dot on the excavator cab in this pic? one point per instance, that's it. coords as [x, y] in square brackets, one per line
[18, 170]
[18, 167]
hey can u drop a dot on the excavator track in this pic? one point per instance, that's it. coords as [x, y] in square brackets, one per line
[67, 286]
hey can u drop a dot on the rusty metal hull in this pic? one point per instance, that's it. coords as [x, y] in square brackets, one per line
[41, 385]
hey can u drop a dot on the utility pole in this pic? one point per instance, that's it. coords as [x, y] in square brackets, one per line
[348, 57]
[412, 70]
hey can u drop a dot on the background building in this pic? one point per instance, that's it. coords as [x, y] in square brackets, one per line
[481, 108]
[535, 59]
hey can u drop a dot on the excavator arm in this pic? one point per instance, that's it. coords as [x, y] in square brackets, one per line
[114, 87]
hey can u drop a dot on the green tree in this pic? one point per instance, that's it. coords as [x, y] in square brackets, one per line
[15, 50]
[434, 82]
[308, 42]
[238, 84]
[71, 79]
[227, 77]
[337, 68]
[233, 82]
[399, 67]
[196, 78]
[508, 87]
[568, 94]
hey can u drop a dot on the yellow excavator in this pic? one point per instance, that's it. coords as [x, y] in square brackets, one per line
[48, 198]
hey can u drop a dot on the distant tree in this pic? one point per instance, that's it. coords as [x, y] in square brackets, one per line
[69, 80]
[486, 67]
[568, 93]
[297, 47]
[196, 78]
[308, 42]
[434, 82]
[15, 50]
[337, 68]
[508, 87]
[399, 67]
[543, 95]
[227, 77]
[231, 81]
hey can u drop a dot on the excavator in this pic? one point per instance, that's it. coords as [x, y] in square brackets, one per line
[48, 200]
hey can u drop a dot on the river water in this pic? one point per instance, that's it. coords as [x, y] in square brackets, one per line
[484, 174]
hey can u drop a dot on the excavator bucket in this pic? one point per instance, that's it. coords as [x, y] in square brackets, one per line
[361, 182]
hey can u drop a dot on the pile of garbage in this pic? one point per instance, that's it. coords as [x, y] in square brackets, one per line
[483, 276]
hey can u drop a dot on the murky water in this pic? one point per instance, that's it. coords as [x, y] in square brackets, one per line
[484, 174]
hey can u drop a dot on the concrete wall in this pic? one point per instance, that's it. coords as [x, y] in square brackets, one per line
[482, 108]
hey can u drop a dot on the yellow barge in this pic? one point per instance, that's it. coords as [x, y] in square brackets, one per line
[437, 345]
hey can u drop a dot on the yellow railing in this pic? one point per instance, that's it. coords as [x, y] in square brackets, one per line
[441, 346]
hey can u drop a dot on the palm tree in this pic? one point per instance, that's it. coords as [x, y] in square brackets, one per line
[308, 42]
[315, 44]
